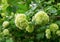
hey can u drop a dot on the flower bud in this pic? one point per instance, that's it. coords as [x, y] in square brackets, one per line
[5, 32]
[48, 33]
[30, 28]
[3, 14]
[58, 32]
[5, 24]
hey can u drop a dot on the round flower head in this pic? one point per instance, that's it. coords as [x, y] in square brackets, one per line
[5, 24]
[20, 16]
[40, 18]
[21, 21]
[5, 32]
[48, 33]
[58, 32]
[3, 14]
[30, 28]
[54, 27]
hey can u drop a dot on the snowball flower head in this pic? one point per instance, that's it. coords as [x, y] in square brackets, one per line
[21, 21]
[54, 27]
[5, 32]
[48, 33]
[30, 28]
[40, 18]
[5, 24]
[58, 32]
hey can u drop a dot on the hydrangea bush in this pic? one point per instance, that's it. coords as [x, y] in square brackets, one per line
[29, 21]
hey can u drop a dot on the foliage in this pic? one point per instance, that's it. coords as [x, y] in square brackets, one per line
[40, 20]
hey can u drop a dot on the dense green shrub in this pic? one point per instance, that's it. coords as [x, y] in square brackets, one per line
[29, 20]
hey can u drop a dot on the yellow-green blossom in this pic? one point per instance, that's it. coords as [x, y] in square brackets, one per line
[58, 32]
[30, 28]
[40, 18]
[48, 33]
[5, 32]
[54, 27]
[21, 21]
[5, 24]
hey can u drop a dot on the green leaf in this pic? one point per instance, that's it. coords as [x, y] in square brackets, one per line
[9, 40]
[40, 36]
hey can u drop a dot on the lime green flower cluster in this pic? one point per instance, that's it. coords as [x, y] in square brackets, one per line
[54, 28]
[5, 24]
[48, 33]
[30, 28]
[40, 18]
[5, 32]
[4, 5]
[58, 32]
[21, 21]
[3, 14]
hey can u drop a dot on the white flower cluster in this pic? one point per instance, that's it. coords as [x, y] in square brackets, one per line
[40, 18]
[58, 32]
[30, 28]
[5, 24]
[5, 32]
[21, 21]
[3, 14]
[48, 33]
[54, 28]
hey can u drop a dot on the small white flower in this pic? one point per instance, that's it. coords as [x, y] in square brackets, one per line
[58, 32]
[48, 33]
[0, 7]
[30, 29]
[5, 32]
[33, 5]
[5, 24]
